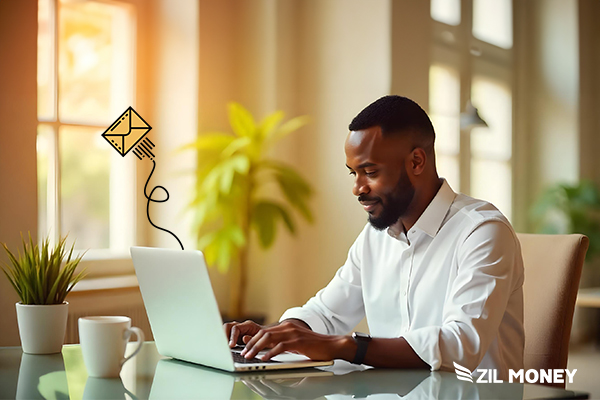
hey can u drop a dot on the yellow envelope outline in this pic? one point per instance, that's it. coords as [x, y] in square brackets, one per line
[119, 134]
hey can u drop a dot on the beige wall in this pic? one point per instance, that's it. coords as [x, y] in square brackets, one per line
[18, 120]
[323, 58]
[557, 120]
[586, 320]
[547, 98]
[331, 58]
[589, 89]
[173, 106]
[554, 94]
[326, 59]
[411, 31]
[345, 48]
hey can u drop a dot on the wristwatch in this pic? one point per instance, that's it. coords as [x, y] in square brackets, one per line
[362, 342]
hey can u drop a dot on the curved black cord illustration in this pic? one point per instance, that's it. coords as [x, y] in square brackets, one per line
[150, 199]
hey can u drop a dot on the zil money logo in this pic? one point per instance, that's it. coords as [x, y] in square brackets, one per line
[462, 373]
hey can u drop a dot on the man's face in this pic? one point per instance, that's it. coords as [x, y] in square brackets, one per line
[381, 183]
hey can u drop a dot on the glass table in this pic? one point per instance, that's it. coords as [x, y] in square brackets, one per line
[149, 375]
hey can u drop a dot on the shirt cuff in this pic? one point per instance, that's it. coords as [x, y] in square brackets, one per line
[309, 318]
[426, 343]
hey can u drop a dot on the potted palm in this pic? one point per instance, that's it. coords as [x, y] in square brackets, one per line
[564, 208]
[42, 276]
[236, 193]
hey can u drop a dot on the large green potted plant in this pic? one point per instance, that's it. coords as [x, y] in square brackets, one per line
[42, 276]
[235, 182]
[570, 208]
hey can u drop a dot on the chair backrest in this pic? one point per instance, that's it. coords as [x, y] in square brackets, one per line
[553, 266]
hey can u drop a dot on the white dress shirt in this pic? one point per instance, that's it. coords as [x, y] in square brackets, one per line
[452, 287]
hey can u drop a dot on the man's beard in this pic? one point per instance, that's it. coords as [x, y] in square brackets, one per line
[394, 204]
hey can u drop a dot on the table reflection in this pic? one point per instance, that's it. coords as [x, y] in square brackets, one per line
[106, 388]
[177, 379]
[149, 375]
[42, 377]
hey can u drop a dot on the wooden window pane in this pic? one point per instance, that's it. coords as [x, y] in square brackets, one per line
[492, 22]
[446, 11]
[45, 178]
[493, 98]
[95, 56]
[45, 61]
[492, 181]
[84, 186]
[448, 168]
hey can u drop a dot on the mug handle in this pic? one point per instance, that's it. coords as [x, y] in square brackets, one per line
[140, 341]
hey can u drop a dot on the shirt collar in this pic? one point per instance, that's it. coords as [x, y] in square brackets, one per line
[432, 218]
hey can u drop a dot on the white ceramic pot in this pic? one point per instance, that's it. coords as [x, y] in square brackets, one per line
[42, 328]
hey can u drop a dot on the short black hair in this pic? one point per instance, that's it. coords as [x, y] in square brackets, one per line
[396, 114]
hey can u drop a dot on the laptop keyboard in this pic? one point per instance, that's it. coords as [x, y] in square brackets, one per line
[238, 358]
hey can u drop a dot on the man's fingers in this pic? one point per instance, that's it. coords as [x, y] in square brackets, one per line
[228, 327]
[280, 348]
[237, 330]
[270, 337]
[233, 337]
[254, 345]
[246, 339]
[264, 339]
[252, 341]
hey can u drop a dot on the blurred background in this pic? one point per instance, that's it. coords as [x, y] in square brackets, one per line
[70, 67]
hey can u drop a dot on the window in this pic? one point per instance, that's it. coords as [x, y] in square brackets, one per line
[85, 80]
[472, 61]
[444, 110]
[492, 22]
[446, 11]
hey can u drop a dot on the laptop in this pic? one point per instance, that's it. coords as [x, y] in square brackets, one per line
[184, 315]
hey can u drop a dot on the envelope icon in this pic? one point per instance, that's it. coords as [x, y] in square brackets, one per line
[126, 131]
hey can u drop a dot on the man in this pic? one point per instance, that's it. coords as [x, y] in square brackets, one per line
[438, 275]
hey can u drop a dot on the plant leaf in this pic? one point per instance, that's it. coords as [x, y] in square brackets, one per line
[569, 208]
[227, 179]
[38, 275]
[241, 120]
[210, 142]
[236, 145]
[14, 285]
[224, 255]
[269, 123]
[265, 214]
[287, 128]
[263, 221]
[295, 189]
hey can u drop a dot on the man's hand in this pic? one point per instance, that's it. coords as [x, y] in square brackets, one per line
[241, 330]
[295, 336]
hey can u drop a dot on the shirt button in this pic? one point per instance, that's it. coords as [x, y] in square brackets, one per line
[405, 293]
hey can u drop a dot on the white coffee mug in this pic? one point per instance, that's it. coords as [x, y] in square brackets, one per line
[103, 342]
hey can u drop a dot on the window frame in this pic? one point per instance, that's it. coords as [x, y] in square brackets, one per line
[456, 47]
[99, 262]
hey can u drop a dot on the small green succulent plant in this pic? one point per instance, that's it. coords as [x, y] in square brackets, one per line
[38, 274]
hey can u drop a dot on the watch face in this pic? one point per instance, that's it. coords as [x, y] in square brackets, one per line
[360, 336]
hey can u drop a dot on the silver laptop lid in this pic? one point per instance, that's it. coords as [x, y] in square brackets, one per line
[181, 306]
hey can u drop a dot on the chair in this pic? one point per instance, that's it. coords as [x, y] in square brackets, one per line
[553, 266]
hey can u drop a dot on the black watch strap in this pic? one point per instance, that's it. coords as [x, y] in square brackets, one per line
[362, 343]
